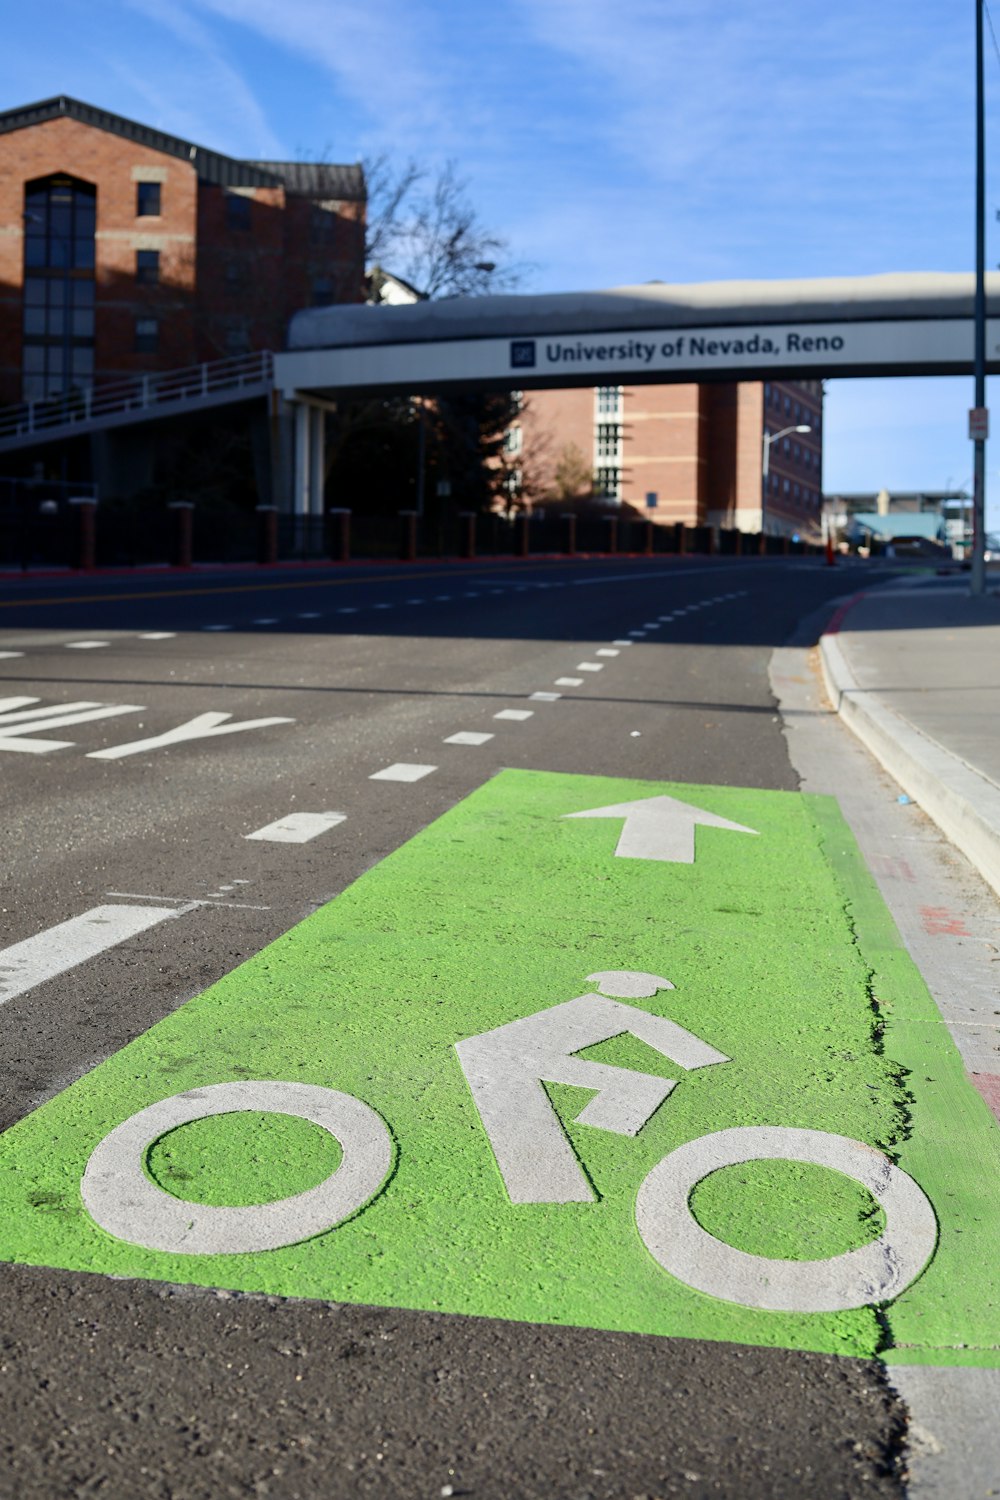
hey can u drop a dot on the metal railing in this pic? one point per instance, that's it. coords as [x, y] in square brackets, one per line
[138, 393]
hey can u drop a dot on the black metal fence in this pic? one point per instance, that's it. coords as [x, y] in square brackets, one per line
[43, 525]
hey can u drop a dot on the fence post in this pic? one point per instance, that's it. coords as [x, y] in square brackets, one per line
[340, 533]
[408, 549]
[570, 548]
[86, 531]
[613, 538]
[523, 522]
[181, 533]
[267, 535]
[468, 533]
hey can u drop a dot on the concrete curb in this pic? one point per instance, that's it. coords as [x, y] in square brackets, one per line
[962, 802]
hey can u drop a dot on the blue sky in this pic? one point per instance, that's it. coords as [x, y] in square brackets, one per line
[679, 140]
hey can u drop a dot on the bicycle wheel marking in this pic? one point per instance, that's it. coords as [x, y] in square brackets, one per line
[873, 1273]
[123, 1201]
[446, 975]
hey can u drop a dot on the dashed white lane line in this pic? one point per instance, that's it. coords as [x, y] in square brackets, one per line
[296, 828]
[158, 635]
[569, 682]
[468, 737]
[545, 697]
[621, 642]
[590, 666]
[416, 601]
[347, 609]
[517, 714]
[639, 635]
[9, 655]
[216, 627]
[402, 771]
[442, 598]
[652, 625]
[50, 953]
[85, 645]
[607, 651]
[383, 606]
[314, 614]
[266, 620]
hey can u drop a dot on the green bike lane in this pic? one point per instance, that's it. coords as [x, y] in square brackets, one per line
[557, 1069]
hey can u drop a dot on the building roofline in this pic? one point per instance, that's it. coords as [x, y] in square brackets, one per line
[211, 166]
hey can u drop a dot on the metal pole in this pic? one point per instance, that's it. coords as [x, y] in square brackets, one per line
[763, 484]
[978, 579]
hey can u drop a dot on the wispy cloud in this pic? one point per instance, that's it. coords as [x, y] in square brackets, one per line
[197, 92]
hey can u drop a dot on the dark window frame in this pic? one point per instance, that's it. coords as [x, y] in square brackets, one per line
[147, 273]
[149, 200]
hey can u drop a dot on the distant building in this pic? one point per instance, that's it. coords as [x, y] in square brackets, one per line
[691, 453]
[947, 514]
[124, 250]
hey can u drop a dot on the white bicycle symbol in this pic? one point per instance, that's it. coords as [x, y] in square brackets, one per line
[505, 1069]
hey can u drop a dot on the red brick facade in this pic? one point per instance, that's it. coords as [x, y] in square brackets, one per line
[231, 250]
[698, 449]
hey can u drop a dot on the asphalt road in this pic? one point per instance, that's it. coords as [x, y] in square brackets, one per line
[133, 1389]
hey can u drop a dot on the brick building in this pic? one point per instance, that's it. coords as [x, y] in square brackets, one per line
[698, 449]
[124, 250]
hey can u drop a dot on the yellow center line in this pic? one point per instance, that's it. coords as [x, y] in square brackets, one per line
[245, 588]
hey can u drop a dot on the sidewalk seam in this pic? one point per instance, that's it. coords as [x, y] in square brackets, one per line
[962, 802]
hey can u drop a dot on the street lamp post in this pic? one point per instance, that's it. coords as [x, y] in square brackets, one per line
[769, 438]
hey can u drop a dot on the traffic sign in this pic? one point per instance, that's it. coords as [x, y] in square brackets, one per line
[511, 1073]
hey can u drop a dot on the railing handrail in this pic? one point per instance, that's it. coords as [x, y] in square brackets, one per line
[135, 393]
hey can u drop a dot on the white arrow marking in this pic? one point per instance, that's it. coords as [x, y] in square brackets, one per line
[505, 1069]
[660, 828]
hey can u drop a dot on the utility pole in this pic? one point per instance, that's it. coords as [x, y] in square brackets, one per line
[978, 417]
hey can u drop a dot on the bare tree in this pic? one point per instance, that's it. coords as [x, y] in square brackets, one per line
[425, 230]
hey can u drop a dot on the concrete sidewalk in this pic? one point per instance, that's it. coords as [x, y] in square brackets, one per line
[914, 669]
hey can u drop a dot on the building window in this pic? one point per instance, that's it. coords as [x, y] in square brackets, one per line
[513, 440]
[147, 267]
[608, 441]
[237, 211]
[788, 406]
[147, 336]
[58, 312]
[322, 224]
[238, 338]
[235, 277]
[609, 400]
[322, 291]
[147, 200]
[608, 481]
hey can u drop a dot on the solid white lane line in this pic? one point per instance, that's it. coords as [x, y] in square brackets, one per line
[468, 737]
[402, 770]
[42, 957]
[516, 714]
[162, 635]
[544, 697]
[7, 655]
[296, 828]
[590, 666]
[569, 681]
[607, 651]
[85, 645]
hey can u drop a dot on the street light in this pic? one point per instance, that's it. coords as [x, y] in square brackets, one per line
[769, 438]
